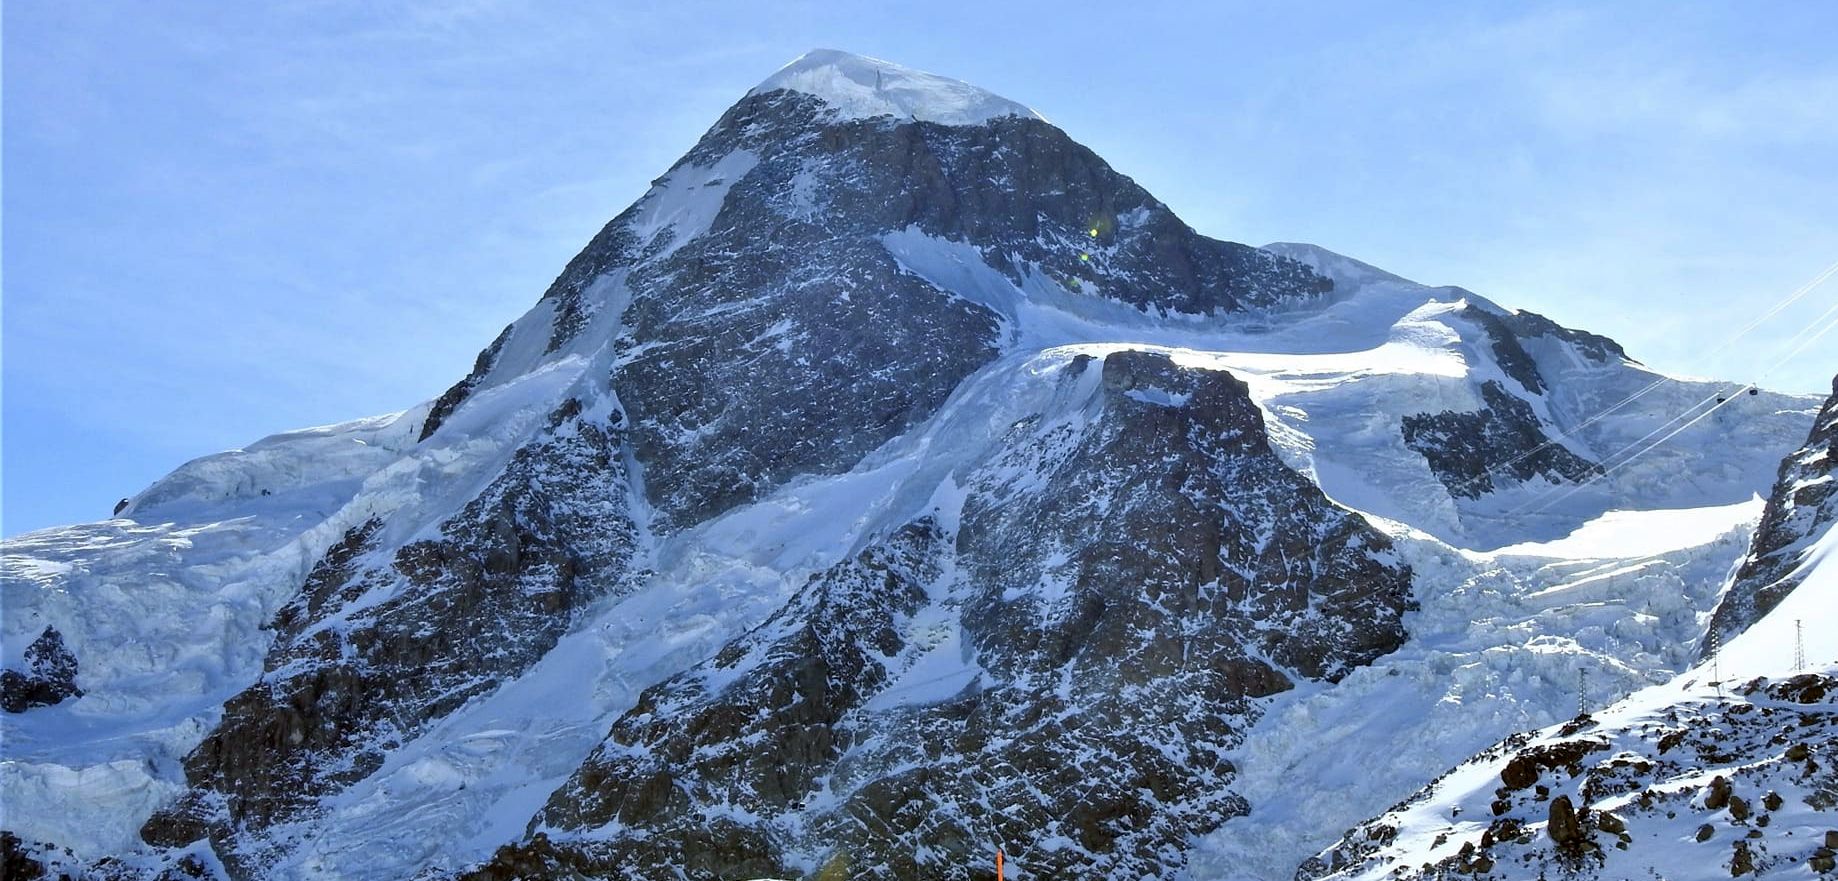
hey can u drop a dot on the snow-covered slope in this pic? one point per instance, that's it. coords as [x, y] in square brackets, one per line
[889, 374]
[1503, 642]
[1726, 770]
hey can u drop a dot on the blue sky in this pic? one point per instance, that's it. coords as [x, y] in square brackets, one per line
[224, 220]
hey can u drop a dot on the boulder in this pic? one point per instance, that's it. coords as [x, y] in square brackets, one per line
[1719, 794]
[1742, 861]
[1564, 827]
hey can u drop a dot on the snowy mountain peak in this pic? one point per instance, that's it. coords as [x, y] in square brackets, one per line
[860, 87]
[869, 494]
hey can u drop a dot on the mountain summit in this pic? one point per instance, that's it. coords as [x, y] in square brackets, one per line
[892, 482]
[859, 87]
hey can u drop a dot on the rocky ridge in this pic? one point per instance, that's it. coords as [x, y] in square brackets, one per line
[1801, 508]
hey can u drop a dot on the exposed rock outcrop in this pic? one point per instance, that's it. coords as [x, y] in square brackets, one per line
[1470, 451]
[762, 356]
[49, 675]
[1801, 508]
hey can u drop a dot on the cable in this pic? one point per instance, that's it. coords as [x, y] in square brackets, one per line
[1813, 324]
[1818, 331]
[1798, 294]
[1537, 500]
[1789, 300]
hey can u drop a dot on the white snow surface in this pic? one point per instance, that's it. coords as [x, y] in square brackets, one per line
[1666, 846]
[859, 87]
[1622, 534]
[164, 607]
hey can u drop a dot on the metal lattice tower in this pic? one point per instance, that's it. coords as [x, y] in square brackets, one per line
[1799, 647]
[1582, 692]
[1716, 660]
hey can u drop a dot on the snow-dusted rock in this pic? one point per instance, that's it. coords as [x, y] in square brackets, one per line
[47, 676]
[1059, 654]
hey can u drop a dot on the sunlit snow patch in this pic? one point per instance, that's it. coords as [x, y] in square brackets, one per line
[860, 87]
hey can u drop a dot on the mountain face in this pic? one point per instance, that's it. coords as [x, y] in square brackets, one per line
[1801, 509]
[1147, 502]
[893, 482]
[380, 642]
[754, 282]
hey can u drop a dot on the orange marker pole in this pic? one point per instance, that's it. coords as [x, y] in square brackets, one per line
[998, 864]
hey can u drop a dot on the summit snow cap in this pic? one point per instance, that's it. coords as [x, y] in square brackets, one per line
[859, 87]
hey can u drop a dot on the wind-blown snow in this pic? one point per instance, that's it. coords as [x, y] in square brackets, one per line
[859, 87]
[684, 203]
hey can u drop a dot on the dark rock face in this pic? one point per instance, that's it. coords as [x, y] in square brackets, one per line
[450, 399]
[1525, 768]
[19, 860]
[49, 677]
[1507, 352]
[1717, 794]
[1596, 347]
[1124, 581]
[1562, 824]
[1801, 508]
[787, 340]
[1470, 451]
[1510, 331]
[377, 646]
[1236, 537]
[1742, 860]
[753, 727]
